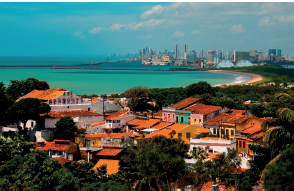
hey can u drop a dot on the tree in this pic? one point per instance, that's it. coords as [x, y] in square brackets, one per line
[65, 128]
[139, 96]
[5, 102]
[199, 88]
[18, 88]
[154, 162]
[25, 109]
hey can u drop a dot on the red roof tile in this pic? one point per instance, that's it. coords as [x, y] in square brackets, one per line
[251, 130]
[143, 124]
[63, 160]
[166, 131]
[53, 147]
[117, 115]
[109, 152]
[44, 94]
[112, 166]
[98, 124]
[185, 103]
[203, 109]
[161, 125]
[111, 135]
[257, 135]
[70, 113]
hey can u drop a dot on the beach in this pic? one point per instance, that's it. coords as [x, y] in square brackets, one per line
[253, 77]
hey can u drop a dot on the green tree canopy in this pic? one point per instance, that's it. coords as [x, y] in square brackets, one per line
[199, 88]
[154, 162]
[139, 96]
[25, 109]
[65, 128]
[5, 102]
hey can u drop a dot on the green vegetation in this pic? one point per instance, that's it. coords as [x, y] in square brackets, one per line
[65, 128]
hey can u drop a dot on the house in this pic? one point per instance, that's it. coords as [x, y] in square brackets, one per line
[139, 124]
[102, 139]
[97, 128]
[168, 113]
[108, 107]
[60, 148]
[216, 145]
[233, 121]
[117, 122]
[201, 113]
[60, 99]
[167, 132]
[112, 166]
[250, 135]
[191, 131]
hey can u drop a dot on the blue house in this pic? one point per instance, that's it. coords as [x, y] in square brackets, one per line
[183, 117]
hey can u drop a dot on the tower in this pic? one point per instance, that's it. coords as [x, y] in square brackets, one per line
[176, 51]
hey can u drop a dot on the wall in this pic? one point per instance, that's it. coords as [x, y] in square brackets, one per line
[195, 119]
[95, 130]
[40, 136]
[123, 122]
[86, 107]
[217, 145]
[249, 123]
[82, 141]
[192, 129]
[168, 114]
[87, 121]
[185, 114]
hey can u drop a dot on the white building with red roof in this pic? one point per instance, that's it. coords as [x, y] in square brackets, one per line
[117, 122]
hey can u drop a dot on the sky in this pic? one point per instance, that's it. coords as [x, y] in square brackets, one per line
[83, 29]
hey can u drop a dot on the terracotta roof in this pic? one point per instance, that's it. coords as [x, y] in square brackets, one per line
[185, 103]
[63, 160]
[230, 118]
[257, 135]
[95, 99]
[135, 135]
[166, 131]
[111, 135]
[203, 130]
[161, 125]
[112, 165]
[251, 130]
[203, 109]
[98, 124]
[44, 94]
[213, 138]
[70, 113]
[143, 124]
[53, 147]
[158, 114]
[109, 152]
[117, 115]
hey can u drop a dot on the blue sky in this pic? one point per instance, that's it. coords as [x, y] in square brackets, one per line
[34, 29]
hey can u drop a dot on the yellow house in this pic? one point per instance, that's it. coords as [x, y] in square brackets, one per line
[191, 131]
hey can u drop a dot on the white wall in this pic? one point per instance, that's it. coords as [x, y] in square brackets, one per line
[41, 136]
[123, 121]
[215, 145]
[86, 107]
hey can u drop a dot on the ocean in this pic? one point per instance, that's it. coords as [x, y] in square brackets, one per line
[85, 81]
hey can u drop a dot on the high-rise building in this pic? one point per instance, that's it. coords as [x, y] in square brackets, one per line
[185, 48]
[279, 52]
[176, 51]
[210, 55]
[252, 53]
[241, 55]
[272, 51]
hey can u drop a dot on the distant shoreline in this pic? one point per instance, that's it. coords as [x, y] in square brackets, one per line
[253, 77]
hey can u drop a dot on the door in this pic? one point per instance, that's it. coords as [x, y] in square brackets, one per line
[88, 143]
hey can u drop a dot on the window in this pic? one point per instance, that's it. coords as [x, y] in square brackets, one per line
[194, 149]
[177, 119]
[232, 132]
[118, 121]
[114, 121]
[214, 130]
[217, 132]
[182, 119]
[179, 135]
[188, 135]
[70, 156]
[32, 124]
[199, 121]
[244, 144]
[227, 132]
[240, 144]
[88, 109]
[189, 120]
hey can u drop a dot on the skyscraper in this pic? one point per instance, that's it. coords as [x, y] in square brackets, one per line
[185, 48]
[279, 52]
[176, 51]
[210, 55]
[241, 55]
[272, 51]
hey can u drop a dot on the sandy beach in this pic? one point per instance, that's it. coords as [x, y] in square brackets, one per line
[254, 77]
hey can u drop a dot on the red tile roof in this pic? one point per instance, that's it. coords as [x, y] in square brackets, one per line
[53, 147]
[98, 124]
[109, 152]
[117, 115]
[203, 109]
[143, 124]
[112, 166]
[251, 130]
[185, 103]
[95, 99]
[257, 135]
[44, 94]
[161, 125]
[166, 131]
[63, 160]
[230, 118]
[158, 114]
[70, 113]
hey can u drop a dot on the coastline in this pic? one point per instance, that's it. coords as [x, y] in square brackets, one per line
[253, 77]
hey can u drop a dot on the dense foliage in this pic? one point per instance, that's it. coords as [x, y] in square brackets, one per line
[65, 128]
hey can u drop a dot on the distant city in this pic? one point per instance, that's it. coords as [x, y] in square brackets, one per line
[207, 58]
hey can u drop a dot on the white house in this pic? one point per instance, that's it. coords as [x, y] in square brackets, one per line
[118, 121]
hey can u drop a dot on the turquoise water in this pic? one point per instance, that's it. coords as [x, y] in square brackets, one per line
[84, 81]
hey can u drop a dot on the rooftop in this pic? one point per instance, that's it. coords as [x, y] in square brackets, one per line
[230, 118]
[63, 160]
[185, 103]
[112, 165]
[109, 152]
[111, 135]
[117, 115]
[203, 109]
[161, 125]
[53, 147]
[251, 130]
[70, 113]
[166, 131]
[98, 124]
[44, 94]
[143, 124]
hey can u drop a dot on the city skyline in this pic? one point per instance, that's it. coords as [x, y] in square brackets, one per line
[33, 29]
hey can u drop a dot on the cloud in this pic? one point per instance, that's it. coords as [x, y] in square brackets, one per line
[79, 34]
[237, 29]
[178, 34]
[265, 21]
[144, 24]
[155, 10]
[286, 19]
[116, 27]
[196, 32]
[96, 30]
